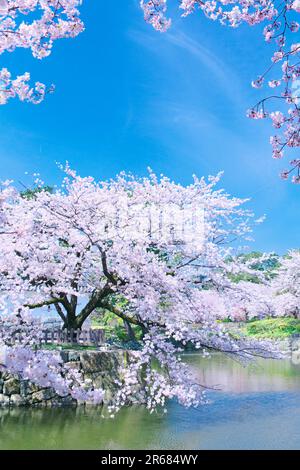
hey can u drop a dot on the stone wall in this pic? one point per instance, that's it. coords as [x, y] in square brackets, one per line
[100, 367]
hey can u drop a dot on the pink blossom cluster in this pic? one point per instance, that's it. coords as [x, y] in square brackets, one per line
[34, 25]
[19, 87]
[154, 13]
[56, 19]
[288, 121]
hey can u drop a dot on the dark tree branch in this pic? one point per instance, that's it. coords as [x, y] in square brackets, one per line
[60, 313]
[44, 303]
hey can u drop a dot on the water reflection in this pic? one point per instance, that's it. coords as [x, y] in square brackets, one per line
[259, 376]
[259, 407]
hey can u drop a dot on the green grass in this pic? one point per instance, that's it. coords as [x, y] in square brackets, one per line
[272, 328]
[74, 347]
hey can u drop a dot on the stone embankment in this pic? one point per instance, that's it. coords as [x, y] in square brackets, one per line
[100, 368]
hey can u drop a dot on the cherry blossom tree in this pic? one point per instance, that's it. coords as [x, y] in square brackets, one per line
[287, 285]
[99, 240]
[147, 250]
[269, 287]
[282, 22]
[257, 300]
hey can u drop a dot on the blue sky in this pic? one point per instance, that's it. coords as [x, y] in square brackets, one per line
[128, 97]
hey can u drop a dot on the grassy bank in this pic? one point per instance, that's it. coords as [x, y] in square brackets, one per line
[272, 328]
[66, 346]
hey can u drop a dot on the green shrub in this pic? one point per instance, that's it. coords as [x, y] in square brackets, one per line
[273, 328]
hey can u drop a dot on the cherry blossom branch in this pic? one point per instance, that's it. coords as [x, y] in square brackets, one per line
[57, 20]
[281, 25]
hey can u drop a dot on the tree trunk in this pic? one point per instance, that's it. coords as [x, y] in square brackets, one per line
[296, 313]
[71, 322]
[129, 330]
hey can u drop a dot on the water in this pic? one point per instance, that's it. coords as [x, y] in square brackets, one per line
[257, 408]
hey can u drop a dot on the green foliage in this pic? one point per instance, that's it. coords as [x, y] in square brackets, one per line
[244, 277]
[268, 266]
[31, 193]
[162, 255]
[114, 326]
[273, 328]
